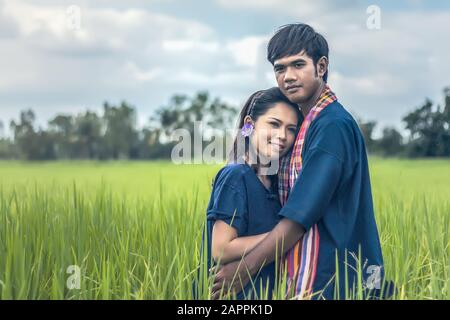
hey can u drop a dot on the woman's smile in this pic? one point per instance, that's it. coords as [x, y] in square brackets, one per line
[279, 147]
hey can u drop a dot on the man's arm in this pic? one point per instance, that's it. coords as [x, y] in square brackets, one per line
[306, 204]
[226, 246]
[283, 237]
[285, 234]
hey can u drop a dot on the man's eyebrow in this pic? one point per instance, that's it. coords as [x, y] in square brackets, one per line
[298, 60]
[278, 64]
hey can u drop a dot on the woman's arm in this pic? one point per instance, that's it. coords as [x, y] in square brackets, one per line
[227, 247]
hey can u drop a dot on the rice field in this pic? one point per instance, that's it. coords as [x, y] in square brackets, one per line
[132, 230]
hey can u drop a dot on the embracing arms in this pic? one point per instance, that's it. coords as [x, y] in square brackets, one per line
[227, 247]
[284, 236]
[305, 206]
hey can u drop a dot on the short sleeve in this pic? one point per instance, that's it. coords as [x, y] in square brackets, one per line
[228, 203]
[335, 136]
[314, 188]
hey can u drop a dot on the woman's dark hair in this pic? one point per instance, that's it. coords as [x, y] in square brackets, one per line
[292, 39]
[257, 105]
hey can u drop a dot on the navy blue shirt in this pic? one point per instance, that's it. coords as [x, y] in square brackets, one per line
[333, 191]
[241, 200]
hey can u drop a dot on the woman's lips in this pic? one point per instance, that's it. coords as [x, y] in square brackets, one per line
[280, 147]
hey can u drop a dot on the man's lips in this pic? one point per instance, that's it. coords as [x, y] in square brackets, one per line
[292, 89]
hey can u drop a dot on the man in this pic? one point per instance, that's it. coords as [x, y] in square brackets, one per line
[327, 236]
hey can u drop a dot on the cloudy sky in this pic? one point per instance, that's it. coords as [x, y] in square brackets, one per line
[145, 51]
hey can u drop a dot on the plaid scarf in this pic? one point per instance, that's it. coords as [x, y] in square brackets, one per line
[301, 259]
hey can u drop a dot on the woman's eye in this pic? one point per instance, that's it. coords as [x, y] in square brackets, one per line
[274, 124]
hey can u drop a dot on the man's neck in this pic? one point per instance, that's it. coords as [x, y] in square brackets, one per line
[308, 105]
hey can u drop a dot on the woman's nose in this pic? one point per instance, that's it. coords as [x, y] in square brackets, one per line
[281, 134]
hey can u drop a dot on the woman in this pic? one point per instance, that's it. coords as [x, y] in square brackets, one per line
[244, 204]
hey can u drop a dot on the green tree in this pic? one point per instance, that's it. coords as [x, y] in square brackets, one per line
[429, 129]
[6, 146]
[391, 142]
[88, 135]
[184, 112]
[63, 129]
[121, 139]
[32, 144]
[367, 129]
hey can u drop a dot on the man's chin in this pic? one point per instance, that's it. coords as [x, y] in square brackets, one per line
[296, 98]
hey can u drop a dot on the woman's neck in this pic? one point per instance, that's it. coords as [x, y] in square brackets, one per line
[265, 179]
[261, 170]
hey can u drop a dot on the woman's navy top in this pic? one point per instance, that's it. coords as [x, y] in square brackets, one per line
[241, 200]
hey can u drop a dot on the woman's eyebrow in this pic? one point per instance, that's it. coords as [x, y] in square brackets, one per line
[279, 121]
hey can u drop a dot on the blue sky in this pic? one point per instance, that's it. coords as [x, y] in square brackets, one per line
[145, 51]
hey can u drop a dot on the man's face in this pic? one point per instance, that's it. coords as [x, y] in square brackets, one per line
[297, 77]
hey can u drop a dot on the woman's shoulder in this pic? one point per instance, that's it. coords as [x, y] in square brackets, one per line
[232, 175]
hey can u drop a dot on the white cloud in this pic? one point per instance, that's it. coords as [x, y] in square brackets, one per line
[297, 8]
[190, 45]
[138, 74]
[47, 26]
[247, 51]
[108, 39]
[144, 56]
[370, 85]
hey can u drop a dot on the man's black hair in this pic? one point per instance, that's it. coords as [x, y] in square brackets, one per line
[292, 39]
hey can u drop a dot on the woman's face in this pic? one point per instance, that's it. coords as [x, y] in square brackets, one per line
[274, 132]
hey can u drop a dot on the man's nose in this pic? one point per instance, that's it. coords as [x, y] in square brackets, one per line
[289, 75]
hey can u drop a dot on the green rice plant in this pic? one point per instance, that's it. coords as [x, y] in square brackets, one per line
[134, 229]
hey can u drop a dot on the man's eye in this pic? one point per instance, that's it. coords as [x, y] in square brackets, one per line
[299, 65]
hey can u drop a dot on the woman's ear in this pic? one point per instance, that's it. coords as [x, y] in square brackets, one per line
[322, 66]
[248, 120]
[248, 127]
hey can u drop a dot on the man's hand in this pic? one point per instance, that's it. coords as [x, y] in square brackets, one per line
[235, 275]
[230, 278]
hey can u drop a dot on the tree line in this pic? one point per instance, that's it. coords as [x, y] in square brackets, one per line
[114, 134]
[428, 133]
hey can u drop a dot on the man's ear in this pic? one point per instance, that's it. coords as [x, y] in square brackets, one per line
[322, 66]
